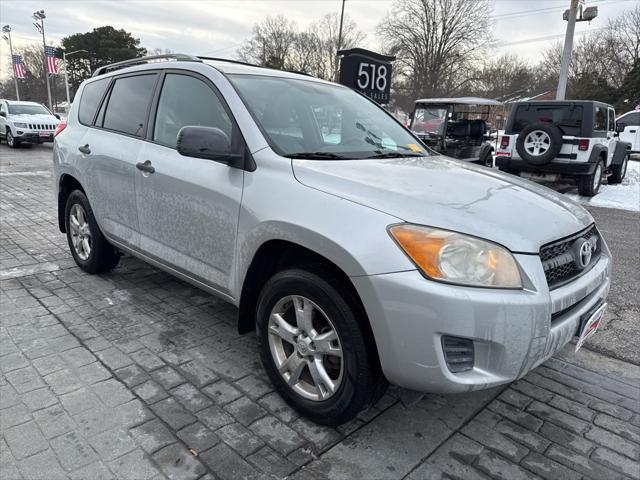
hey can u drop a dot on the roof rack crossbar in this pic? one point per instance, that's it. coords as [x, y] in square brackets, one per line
[180, 57]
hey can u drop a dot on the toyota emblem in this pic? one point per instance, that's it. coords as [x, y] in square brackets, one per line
[583, 252]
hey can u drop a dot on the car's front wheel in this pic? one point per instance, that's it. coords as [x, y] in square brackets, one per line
[313, 347]
[91, 251]
[11, 140]
[589, 185]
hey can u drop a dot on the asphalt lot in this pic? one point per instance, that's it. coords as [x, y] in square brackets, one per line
[136, 375]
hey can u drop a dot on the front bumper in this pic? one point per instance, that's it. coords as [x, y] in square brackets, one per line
[33, 136]
[556, 166]
[513, 331]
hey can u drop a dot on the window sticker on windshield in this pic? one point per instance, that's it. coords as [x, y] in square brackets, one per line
[414, 147]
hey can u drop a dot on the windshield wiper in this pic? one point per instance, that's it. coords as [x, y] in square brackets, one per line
[396, 155]
[316, 156]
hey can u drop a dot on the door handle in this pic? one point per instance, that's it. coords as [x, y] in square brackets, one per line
[85, 149]
[632, 131]
[145, 167]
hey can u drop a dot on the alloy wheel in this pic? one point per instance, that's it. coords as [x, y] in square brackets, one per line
[80, 231]
[306, 348]
[537, 143]
[597, 177]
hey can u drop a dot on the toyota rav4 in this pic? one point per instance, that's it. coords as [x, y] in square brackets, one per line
[559, 140]
[357, 256]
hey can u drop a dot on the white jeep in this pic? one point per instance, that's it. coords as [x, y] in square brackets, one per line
[26, 122]
[554, 140]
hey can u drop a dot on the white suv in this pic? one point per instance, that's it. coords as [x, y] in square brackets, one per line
[26, 122]
[629, 127]
[564, 139]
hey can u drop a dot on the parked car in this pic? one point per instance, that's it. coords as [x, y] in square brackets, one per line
[629, 128]
[358, 259]
[554, 140]
[455, 127]
[26, 122]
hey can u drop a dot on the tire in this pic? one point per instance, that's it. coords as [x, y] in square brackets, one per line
[11, 141]
[486, 159]
[541, 137]
[618, 172]
[355, 376]
[100, 256]
[589, 185]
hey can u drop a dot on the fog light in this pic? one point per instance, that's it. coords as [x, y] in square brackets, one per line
[458, 353]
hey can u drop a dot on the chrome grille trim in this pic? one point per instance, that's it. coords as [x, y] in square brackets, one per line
[558, 261]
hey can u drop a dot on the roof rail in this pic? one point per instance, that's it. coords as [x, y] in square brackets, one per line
[228, 60]
[179, 57]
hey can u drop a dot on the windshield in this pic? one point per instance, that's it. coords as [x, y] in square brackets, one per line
[308, 119]
[429, 120]
[28, 110]
[568, 118]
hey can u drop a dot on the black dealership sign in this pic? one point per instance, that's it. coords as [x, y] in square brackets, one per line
[367, 72]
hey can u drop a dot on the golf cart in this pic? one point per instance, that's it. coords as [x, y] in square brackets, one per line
[456, 127]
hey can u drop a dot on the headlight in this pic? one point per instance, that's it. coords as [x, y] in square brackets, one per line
[20, 125]
[456, 258]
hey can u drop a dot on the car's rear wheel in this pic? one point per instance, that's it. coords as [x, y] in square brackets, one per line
[589, 185]
[91, 251]
[313, 348]
[11, 140]
[618, 172]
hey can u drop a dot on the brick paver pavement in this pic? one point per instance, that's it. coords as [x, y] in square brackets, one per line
[136, 375]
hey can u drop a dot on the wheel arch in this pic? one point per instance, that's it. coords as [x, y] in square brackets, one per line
[275, 255]
[67, 184]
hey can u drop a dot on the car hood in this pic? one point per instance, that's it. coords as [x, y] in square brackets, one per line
[39, 118]
[442, 192]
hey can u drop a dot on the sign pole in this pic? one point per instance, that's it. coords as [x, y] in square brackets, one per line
[337, 73]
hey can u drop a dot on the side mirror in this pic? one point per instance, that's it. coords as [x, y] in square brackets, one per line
[209, 143]
[3, 114]
[620, 127]
[57, 116]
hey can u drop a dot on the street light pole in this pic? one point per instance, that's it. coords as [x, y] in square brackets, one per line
[566, 53]
[39, 15]
[7, 29]
[66, 75]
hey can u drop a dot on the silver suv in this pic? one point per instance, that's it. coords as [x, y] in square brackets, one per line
[356, 254]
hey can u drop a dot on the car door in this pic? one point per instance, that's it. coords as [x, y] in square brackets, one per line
[110, 152]
[3, 118]
[600, 128]
[631, 132]
[188, 207]
[612, 138]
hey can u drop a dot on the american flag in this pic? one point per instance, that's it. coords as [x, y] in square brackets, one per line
[18, 66]
[50, 53]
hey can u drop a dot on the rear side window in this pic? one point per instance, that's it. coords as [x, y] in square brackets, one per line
[599, 118]
[612, 120]
[129, 103]
[568, 118]
[186, 100]
[91, 96]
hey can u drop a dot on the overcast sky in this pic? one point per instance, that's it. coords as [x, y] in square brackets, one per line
[524, 27]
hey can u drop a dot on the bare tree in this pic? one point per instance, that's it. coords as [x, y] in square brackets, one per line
[271, 42]
[327, 30]
[436, 42]
[503, 78]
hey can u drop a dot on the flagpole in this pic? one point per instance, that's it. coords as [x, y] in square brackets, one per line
[39, 15]
[7, 29]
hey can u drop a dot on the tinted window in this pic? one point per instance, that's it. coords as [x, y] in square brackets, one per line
[128, 104]
[568, 118]
[185, 101]
[600, 118]
[91, 96]
[3, 108]
[630, 119]
[612, 120]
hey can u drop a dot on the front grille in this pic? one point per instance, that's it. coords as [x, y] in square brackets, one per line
[41, 126]
[559, 258]
[458, 353]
